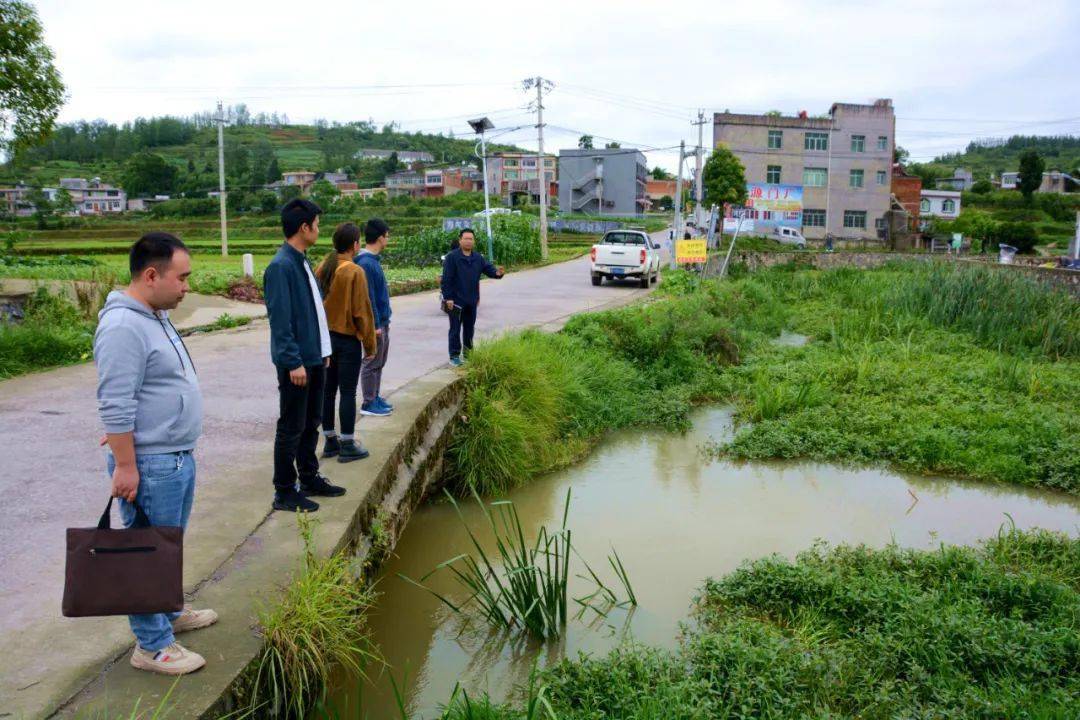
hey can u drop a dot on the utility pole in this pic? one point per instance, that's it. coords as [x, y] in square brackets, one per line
[698, 215]
[221, 178]
[541, 172]
[678, 203]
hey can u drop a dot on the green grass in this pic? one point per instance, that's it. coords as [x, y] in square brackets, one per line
[55, 331]
[537, 401]
[904, 369]
[315, 625]
[851, 632]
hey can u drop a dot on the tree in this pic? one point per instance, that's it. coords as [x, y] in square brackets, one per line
[900, 155]
[31, 91]
[390, 165]
[723, 177]
[612, 145]
[660, 173]
[665, 203]
[289, 192]
[273, 172]
[42, 205]
[64, 204]
[324, 193]
[261, 156]
[981, 187]
[148, 174]
[1031, 172]
[585, 142]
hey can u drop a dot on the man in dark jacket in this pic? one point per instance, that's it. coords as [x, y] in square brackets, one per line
[299, 346]
[462, 268]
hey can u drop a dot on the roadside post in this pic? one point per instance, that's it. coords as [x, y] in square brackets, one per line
[480, 126]
[249, 265]
[737, 213]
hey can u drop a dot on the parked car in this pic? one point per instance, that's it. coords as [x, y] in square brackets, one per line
[625, 254]
[788, 236]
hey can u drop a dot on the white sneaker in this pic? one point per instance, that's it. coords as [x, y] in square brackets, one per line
[172, 660]
[193, 619]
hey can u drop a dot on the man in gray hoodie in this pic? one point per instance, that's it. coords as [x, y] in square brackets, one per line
[150, 404]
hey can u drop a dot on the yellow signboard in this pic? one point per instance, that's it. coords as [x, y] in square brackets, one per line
[690, 251]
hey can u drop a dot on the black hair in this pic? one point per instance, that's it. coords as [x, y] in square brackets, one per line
[346, 236]
[298, 212]
[466, 230]
[374, 229]
[153, 248]
[687, 236]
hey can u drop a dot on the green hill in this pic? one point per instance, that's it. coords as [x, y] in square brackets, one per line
[257, 150]
[986, 157]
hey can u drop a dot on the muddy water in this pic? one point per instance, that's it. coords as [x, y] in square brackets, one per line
[675, 518]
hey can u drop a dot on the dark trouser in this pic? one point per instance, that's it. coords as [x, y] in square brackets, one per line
[371, 374]
[299, 414]
[462, 323]
[344, 372]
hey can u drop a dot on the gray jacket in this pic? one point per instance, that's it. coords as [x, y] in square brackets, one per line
[146, 380]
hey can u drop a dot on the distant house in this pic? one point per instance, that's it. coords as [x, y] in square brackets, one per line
[13, 200]
[94, 197]
[656, 190]
[406, 157]
[962, 179]
[1053, 181]
[439, 182]
[145, 203]
[406, 182]
[513, 174]
[944, 204]
[303, 179]
[335, 178]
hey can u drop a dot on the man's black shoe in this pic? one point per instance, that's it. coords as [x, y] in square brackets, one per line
[331, 447]
[321, 487]
[292, 501]
[351, 451]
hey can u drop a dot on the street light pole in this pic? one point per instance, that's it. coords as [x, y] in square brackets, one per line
[480, 126]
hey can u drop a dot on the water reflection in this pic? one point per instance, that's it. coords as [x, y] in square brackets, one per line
[675, 519]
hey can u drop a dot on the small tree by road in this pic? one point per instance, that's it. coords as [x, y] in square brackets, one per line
[724, 178]
[1031, 172]
[31, 91]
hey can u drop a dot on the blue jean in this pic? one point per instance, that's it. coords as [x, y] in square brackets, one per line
[166, 491]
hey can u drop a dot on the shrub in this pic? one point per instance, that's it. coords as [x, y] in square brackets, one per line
[1021, 235]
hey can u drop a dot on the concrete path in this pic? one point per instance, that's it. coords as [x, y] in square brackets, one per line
[52, 475]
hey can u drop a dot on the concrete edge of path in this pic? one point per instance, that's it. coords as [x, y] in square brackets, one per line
[410, 444]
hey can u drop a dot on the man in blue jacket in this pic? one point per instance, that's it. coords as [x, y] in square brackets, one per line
[462, 268]
[376, 235]
[299, 347]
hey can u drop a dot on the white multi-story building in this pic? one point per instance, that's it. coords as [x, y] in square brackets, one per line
[944, 204]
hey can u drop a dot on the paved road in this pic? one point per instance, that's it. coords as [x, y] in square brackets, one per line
[52, 471]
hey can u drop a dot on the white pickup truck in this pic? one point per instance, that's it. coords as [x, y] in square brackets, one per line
[625, 254]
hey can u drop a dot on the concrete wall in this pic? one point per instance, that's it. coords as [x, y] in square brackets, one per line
[624, 181]
[748, 137]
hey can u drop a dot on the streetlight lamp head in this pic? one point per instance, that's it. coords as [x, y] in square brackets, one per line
[480, 125]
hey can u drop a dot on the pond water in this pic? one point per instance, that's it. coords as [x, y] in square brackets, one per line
[675, 517]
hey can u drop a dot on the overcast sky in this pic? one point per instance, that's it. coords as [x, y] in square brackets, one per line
[631, 71]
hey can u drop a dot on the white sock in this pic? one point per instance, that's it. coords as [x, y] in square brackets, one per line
[330, 433]
[346, 438]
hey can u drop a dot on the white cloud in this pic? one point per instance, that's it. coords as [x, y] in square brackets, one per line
[998, 64]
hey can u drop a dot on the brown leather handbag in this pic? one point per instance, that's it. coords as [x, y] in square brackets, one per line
[128, 571]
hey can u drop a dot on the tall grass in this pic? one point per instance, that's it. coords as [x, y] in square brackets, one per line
[536, 401]
[520, 586]
[316, 624]
[54, 331]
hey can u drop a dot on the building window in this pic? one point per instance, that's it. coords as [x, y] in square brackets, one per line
[776, 139]
[879, 223]
[924, 206]
[528, 162]
[855, 219]
[816, 141]
[882, 142]
[881, 177]
[815, 177]
[813, 218]
[511, 163]
[772, 175]
[949, 206]
[511, 174]
[855, 179]
[858, 143]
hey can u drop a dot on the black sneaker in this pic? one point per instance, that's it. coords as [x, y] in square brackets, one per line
[292, 501]
[351, 451]
[331, 447]
[319, 486]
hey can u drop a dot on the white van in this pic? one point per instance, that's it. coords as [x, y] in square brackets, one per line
[789, 236]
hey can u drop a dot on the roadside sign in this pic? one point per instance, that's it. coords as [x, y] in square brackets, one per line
[690, 251]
